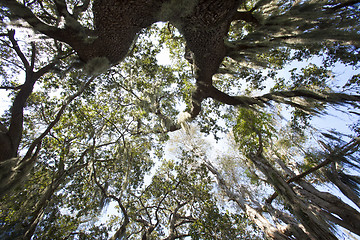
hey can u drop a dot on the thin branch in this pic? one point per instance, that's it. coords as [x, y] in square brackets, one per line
[122, 230]
[146, 210]
[12, 63]
[160, 202]
[48, 16]
[11, 87]
[78, 9]
[57, 118]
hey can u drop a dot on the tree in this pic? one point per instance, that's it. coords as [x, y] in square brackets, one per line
[305, 201]
[95, 108]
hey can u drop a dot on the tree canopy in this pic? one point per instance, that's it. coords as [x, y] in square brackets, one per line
[97, 125]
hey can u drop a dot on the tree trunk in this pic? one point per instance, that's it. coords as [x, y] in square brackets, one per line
[38, 213]
[43, 202]
[331, 206]
[255, 215]
[316, 227]
[292, 228]
[334, 177]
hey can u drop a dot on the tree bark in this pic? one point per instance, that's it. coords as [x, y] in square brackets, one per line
[316, 228]
[255, 215]
[40, 206]
[345, 215]
[334, 177]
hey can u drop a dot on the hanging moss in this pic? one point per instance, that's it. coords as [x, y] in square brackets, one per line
[97, 65]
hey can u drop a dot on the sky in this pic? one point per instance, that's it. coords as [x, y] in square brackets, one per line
[336, 120]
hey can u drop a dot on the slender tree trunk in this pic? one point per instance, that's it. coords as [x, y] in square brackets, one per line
[270, 231]
[317, 228]
[255, 215]
[43, 202]
[334, 177]
[332, 207]
[292, 228]
[328, 204]
[40, 206]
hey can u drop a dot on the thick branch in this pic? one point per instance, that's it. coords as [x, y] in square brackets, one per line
[16, 121]
[17, 110]
[284, 97]
[245, 16]
[18, 10]
[15, 46]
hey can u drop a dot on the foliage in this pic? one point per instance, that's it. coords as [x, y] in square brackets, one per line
[97, 142]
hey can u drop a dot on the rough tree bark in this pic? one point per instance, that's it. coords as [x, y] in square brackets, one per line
[317, 228]
[38, 212]
[330, 207]
[10, 138]
[203, 23]
[271, 231]
[335, 178]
